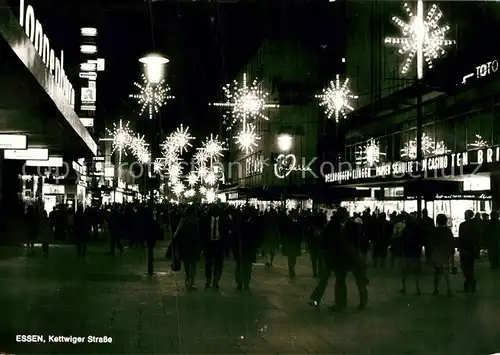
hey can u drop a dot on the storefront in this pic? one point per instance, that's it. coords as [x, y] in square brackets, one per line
[449, 183]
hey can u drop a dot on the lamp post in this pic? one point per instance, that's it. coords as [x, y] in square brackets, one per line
[284, 142]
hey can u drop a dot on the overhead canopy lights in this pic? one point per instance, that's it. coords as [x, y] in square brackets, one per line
[88, 49]
[88, 31]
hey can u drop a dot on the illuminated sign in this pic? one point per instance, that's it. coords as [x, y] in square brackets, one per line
[401, 168]
[285, 164]
[88, 49]
[88, 94]
[88, 75]
[27, 154]
[88, 31]
[55, 162]
[100, 64]
[463, 197]
[49, 189]
[482, 71]
[87, 122]
[88, 66]
[254, 164]
[232, 196]
[34, 31]
[88, 107]
[13, 141]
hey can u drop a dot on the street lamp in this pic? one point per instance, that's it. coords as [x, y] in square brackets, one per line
[155, 65]
[284, 141]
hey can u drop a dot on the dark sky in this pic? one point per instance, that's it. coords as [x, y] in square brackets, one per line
[206, 42]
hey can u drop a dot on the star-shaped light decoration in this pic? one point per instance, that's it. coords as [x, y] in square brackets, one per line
[178, 188]
[139, 148]
[192, 178]
[211, 178]
[247, 139]
[121, 136]
[189, 193]
[203, 190]
[214, 147]
[246, 101]
[410, 148]
[441, 149]
[336, 98]
[180, 138]
[174, 171]
[152, 97]
[420, 34]
[370, 153]
[478, 143]
[159, 164]
[210, 195]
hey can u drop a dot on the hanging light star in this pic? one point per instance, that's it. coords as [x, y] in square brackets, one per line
[211, 178]
[159, 164]
[410, 148]
[420, 34]
[201, 156]
[121, 136]
[203, 190]
[192, 178]
[336, 99]
[441, 149]
[178, 188]
[210, 196]
[151, 97]
[370, 153]
[247, 101]
[189, 193]
[247, 139]
[181, 138]
[213, 146]
[174, 171]
[478, 143]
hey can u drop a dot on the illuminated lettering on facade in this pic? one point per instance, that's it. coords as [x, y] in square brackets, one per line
[401, 168]
[482, 70]
[285, 164]
[34, 31]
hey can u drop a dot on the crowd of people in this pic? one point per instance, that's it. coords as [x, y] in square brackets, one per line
[338, 246]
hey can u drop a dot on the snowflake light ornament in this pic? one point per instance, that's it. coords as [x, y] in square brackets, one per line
[247, 101]
[441, 148]
[336, 98]
[203, 190]
[189, 193]
[151, 97]
[121, 136]
[178, 188]
[247, 139]
[421, 34]
[159, 164]
[211, 178]
[180, 138]
[174, 171]
[370, 153]
[478, 143]
[213, 147]
[210, 196]
[410, 148]
[192, 178]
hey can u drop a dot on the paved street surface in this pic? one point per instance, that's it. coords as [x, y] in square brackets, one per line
[106, 296]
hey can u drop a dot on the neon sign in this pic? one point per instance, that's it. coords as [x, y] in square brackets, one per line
[483, 70]
[285, 164]
[34, 31]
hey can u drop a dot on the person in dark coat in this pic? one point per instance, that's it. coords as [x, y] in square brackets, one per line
[245, 244]
[33, 228]
[442, 248]
[291, 235]
[381, 239]
[216, 243]
[342, 257]
[188, 243]
[468, 243]
[82, 231]
[411, 246]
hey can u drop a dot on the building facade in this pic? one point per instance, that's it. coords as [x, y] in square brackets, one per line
[286, 71]
[460, 144]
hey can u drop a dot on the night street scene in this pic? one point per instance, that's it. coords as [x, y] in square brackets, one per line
[249, 177]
